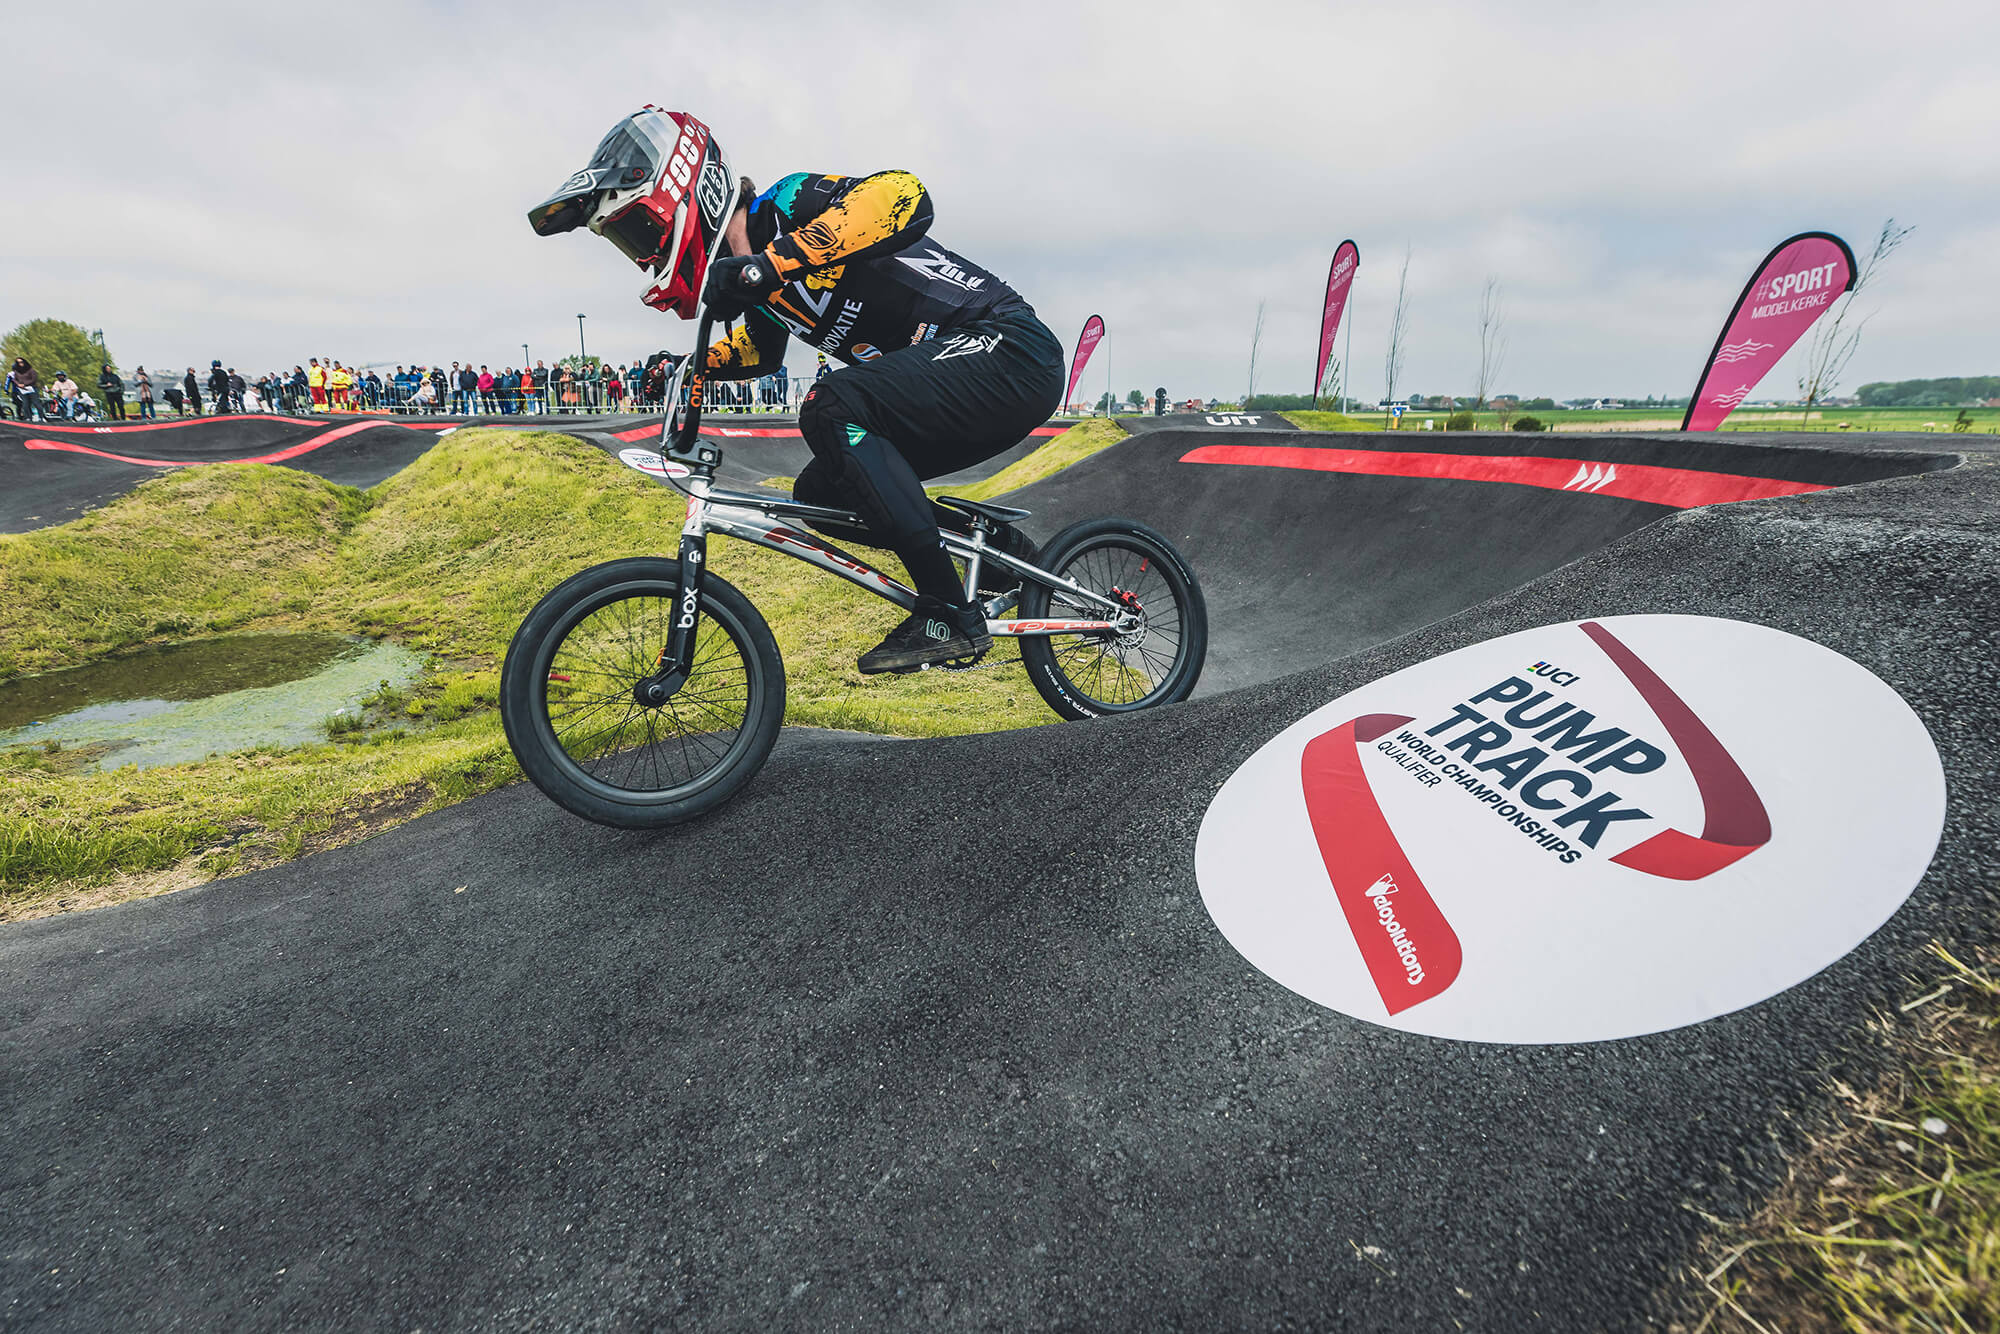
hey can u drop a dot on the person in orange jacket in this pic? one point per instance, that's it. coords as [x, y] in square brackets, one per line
[316, 382]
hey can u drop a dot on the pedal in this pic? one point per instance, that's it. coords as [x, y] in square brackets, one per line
[950, 665]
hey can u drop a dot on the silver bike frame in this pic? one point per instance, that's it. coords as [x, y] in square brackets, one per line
[761, 521]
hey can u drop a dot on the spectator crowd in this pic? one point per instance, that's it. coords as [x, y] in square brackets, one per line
[325, 384]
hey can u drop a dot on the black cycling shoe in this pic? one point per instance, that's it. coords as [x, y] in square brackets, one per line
[936, 632]
[995, 578]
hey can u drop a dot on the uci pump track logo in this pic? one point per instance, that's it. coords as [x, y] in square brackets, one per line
[1688, 815]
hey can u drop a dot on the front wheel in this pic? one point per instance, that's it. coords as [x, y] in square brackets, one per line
[580, 732]
[1157, 662]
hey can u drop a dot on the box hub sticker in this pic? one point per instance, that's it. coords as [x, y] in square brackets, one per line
[1576, 833]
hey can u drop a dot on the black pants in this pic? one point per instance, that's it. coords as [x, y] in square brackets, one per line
[878, 427]
[114, 399]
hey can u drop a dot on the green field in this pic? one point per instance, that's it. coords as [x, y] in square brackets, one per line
[1985, 421]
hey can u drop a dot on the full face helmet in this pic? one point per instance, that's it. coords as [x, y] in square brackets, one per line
[660, 189]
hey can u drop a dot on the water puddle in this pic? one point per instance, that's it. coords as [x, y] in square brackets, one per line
[184, 702]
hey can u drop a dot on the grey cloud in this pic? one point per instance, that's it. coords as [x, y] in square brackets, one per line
[264, 184]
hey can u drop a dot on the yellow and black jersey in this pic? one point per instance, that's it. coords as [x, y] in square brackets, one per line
[862, 276]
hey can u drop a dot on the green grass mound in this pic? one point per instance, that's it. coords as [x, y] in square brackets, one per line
[1307, 420]
[446, 558]
[1073, 446]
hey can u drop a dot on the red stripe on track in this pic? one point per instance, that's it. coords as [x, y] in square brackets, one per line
[121, 428]
[125, 427]
[1679, 488]
[324, 438]
[764, 432]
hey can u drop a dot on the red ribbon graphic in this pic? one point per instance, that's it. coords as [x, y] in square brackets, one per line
[279, 456]
[1734, 822]
[1411, 951]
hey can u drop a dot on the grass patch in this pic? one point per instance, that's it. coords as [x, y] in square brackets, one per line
[1939, 421]
[1307, 420]
[201, 550]
[446, 557]
[1073, 446]
[1892, 1220]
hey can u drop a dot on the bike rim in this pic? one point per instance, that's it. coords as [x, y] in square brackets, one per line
[626, 751]
[1123, 671]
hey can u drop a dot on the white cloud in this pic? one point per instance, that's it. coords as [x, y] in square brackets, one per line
[265, 184]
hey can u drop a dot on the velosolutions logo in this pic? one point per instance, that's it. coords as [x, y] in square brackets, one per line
[1662, 819]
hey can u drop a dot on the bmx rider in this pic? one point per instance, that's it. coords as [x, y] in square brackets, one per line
[944, 365]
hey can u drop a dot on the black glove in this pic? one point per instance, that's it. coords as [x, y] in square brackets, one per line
[738, 283]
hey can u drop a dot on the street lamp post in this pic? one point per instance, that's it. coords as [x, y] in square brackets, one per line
[581, 355]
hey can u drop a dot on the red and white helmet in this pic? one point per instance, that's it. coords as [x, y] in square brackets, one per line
[660, 189]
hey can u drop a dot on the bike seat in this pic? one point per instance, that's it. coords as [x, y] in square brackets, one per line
[997, 513]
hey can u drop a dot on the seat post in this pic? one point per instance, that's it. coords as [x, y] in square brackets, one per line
[973, 562]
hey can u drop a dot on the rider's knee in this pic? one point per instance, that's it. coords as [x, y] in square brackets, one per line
[824, 418]
[818, 483]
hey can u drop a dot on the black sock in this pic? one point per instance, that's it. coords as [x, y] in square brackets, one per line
[932, 572]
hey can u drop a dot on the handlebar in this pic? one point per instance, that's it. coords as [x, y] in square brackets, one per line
[683, 432]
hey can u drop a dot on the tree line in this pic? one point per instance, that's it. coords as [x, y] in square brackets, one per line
[1951, 391]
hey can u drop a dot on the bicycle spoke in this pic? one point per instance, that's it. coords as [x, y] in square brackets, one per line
[1119, 670]
[600, 724]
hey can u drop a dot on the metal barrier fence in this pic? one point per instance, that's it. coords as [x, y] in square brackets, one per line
[579, 397]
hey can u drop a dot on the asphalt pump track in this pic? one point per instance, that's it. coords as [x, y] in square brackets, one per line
[920, 1035]
[50, 474]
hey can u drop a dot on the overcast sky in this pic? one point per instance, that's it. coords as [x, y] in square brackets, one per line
[262, 183]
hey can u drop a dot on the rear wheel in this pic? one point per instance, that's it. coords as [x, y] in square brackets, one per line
[581, 734]
[1157, 662]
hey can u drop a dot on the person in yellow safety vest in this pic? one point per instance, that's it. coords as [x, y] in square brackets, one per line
[341, 381]
[316, 381]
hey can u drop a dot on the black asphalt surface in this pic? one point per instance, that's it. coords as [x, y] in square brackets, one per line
[936, 1035]
[43, 487]
[1300, 568]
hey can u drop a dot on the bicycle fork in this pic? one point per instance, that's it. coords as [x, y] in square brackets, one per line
[677, 658]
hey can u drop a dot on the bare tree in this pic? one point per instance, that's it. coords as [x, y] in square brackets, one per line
[1492, 339]
[1256, 337]
[1399, 328]
[1833, 343]
[1329, 387]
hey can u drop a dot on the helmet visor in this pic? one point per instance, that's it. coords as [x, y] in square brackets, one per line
[625, 158]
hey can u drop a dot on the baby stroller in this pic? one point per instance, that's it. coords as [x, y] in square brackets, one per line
[83, 408]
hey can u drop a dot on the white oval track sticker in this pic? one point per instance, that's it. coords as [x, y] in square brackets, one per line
[646, 461]
[1581, 832]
